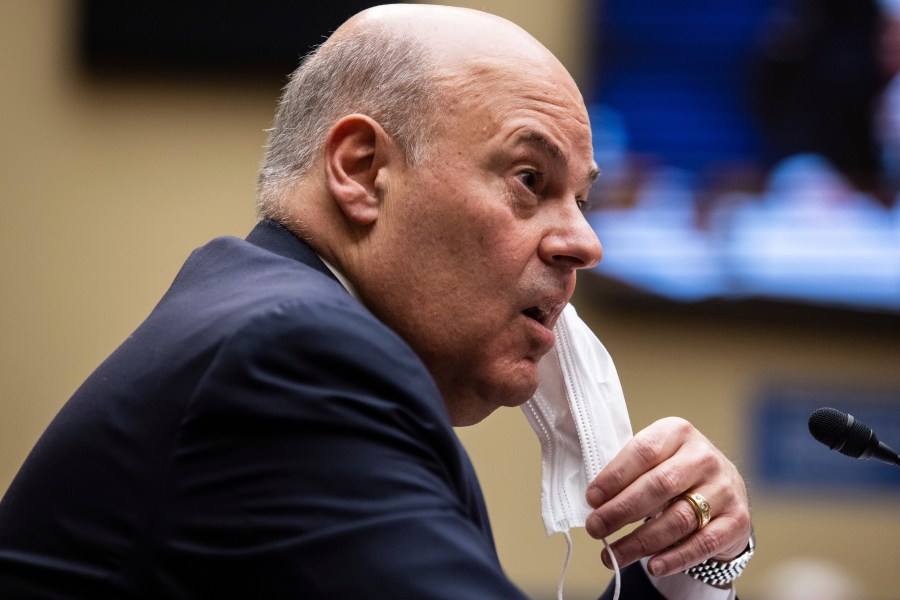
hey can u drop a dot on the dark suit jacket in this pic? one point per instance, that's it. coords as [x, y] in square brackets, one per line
[261, 435]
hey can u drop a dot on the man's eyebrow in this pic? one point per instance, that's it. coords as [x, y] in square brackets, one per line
[532, 137]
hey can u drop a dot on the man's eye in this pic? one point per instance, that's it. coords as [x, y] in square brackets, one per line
[584, 204]
[530, 179]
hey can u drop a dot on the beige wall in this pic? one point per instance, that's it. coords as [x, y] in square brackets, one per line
[107, 185]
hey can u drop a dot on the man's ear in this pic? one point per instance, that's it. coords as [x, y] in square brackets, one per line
[355, 149]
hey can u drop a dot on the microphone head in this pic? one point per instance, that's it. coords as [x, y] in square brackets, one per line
[840, 431]
[827, 425]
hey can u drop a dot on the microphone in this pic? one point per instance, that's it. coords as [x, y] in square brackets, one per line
[840, 431]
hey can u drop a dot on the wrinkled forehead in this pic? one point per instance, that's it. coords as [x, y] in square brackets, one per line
[489, 95]
[515, 78]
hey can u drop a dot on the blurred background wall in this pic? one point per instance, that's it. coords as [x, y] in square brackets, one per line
[108, 181]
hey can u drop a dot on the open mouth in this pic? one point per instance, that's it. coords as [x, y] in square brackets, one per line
[538, 314]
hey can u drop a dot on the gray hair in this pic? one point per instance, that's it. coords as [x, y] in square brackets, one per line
[389, 77]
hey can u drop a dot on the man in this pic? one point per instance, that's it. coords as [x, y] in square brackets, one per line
[265, 433]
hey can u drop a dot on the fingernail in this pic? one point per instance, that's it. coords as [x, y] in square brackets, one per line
[595, 526]
[656, 568]
[594, 497]
[604, 556]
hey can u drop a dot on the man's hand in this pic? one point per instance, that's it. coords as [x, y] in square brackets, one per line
[645, 480]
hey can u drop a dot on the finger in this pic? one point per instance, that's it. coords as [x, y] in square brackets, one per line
[702, 545]
[647, 449]
[652, 490]
[724, 538]
[667, 529]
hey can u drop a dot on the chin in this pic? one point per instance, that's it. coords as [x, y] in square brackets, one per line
[464, 420]
[473, 407]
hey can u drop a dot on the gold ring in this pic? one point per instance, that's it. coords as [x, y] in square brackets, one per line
[700, 506]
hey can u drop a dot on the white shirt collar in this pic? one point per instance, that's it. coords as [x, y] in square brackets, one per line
[342, 278]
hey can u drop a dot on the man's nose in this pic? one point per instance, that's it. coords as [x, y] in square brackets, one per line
[572, 244]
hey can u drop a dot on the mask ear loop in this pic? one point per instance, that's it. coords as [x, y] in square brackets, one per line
[562, 576]
[615, 564]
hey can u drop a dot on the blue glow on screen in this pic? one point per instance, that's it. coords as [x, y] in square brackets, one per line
[743, 157]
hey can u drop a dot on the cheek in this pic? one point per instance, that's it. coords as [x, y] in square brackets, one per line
[467, 248]
[482, 256]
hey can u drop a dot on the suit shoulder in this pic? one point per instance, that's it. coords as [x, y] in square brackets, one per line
[315, 337]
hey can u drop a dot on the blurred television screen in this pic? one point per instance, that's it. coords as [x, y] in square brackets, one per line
[749, 149]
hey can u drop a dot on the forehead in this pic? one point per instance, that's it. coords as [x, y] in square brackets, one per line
[520, 104]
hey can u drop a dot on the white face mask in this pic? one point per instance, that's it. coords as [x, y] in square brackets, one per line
[580, 417]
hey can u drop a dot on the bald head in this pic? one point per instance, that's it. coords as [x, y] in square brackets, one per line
[451, 33]
[396, 64]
